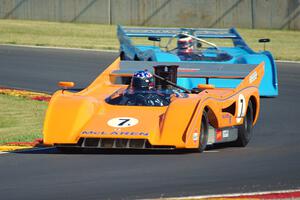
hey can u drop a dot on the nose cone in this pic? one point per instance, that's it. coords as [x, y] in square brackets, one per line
[124, 122]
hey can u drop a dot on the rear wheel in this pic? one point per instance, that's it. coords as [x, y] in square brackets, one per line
[245, 131]
[203, 137]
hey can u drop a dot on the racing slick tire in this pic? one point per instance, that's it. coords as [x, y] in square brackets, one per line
[122, 56]
[245, 130]
[203, 137]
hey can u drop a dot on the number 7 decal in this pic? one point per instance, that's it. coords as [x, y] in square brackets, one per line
[122, 122]
[241, 108]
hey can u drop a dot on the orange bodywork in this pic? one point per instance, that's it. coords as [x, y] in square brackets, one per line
[85, 114]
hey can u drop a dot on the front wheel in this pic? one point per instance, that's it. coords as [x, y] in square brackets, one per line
[203, 137]
[122, 56]
[245, 131]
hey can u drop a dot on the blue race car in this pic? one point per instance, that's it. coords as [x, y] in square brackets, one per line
[191, 45]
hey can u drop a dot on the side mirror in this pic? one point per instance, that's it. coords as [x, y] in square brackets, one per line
[199, 45]
[264, 40]
[205, 86]
[65, 84]
[154, 39]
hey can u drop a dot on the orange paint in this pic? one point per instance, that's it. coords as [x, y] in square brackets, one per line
[65, 84]
[85, 114]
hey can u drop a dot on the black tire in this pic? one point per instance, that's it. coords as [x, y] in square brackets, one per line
[203, 137]
[136, 58]
[122, 56]
[245, 130]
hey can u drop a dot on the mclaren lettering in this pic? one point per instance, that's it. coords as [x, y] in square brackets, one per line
[116, 133]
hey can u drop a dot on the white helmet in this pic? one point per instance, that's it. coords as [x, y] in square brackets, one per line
[185, 42]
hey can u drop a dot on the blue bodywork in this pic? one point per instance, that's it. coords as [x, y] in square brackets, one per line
[240, 53]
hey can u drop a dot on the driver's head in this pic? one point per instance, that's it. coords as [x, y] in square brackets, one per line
[184, 42]
[142, 80]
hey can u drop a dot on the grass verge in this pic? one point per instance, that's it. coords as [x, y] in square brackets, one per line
[284, 44]
[21, 119]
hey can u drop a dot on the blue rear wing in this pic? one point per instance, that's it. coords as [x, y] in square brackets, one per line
[171, 32]
[125, 33]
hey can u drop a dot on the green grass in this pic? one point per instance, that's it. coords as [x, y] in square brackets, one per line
[21, 119]
[38, 33]
[284, 44]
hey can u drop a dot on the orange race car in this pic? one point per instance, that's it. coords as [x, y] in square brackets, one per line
[138, 105]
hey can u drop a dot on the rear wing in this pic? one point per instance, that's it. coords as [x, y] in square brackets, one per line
[125, 33]
[171, 32]
[195, 70]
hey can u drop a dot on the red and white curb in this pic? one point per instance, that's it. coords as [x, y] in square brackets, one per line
[7, 148]
[280, 194]
[27, 149]
[19, 146]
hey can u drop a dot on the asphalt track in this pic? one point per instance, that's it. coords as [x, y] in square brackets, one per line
[271, 161]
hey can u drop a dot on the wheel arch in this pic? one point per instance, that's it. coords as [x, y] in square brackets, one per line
[211, 116]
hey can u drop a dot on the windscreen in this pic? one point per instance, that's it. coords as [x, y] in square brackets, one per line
[151, 97]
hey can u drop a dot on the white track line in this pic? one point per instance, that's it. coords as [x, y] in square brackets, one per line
[236, 194]
[288, 61]
[211, 151]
